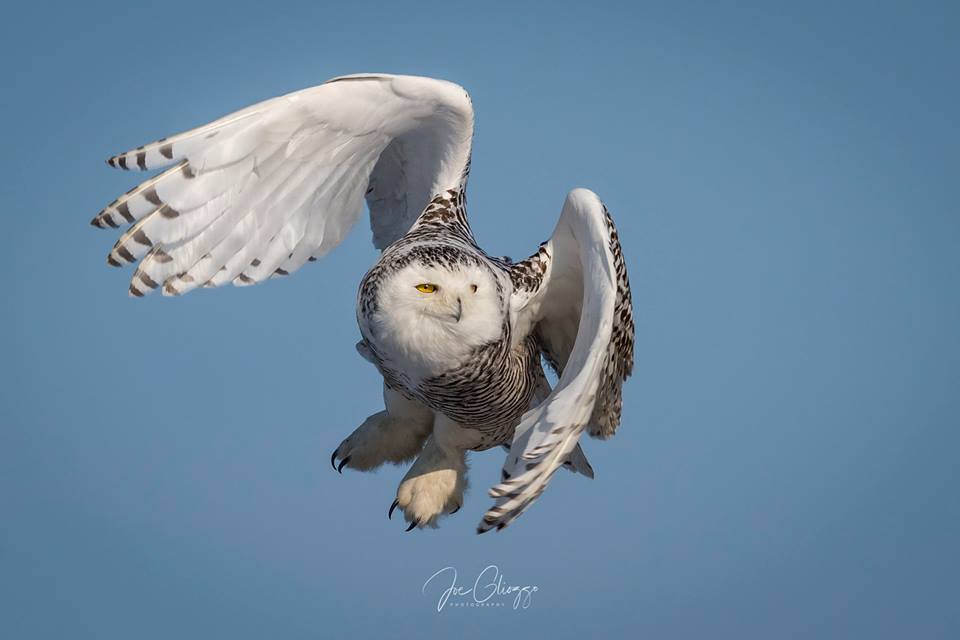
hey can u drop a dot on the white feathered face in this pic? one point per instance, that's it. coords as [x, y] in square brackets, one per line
[433, 316]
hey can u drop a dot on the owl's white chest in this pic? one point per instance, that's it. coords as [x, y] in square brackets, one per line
[422, 349]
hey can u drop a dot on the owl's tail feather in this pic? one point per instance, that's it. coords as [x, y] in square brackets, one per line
[578, 463]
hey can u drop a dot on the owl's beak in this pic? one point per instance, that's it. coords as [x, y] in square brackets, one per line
[459, 313]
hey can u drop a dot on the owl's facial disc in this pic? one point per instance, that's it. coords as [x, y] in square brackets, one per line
[437, 315]
[444, 295]
[444, 300]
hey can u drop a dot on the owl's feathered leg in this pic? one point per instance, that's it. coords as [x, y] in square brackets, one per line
[435, 483]
[394, 435]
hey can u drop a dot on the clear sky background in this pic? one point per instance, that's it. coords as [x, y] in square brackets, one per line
[785, 183]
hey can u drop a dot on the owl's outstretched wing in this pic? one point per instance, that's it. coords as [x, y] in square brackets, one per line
[575, 294]
[259, 192]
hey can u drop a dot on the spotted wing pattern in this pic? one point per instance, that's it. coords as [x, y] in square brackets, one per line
[575, 294]
[258, 193]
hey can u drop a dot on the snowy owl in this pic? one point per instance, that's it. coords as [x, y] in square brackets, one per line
[458, 336]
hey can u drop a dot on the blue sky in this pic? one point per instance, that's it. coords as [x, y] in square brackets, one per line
[784, 179]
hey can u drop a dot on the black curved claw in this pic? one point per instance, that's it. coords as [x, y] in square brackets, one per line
[455, 510]
[342, 462]
[333, 458]
[413, 524]
[392, 507]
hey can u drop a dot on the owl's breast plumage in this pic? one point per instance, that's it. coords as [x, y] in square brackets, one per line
[487, 387]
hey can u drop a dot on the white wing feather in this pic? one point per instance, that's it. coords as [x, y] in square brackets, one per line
[258, 193]
[582, 311]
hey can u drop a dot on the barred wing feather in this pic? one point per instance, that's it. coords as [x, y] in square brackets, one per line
[581, 310]
[258, 193]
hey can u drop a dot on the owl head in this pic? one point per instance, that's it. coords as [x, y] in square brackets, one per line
[430, 315]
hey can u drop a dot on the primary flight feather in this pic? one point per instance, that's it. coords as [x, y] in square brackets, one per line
[458, 336]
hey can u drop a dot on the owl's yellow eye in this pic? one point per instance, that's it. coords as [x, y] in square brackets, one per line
[426, 288]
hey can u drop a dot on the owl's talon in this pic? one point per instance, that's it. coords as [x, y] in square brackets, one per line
[435, 483]
[342, 462]
[455, 510]
[333, 458]
[392, 507]
[382, 438]
[413, 524]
